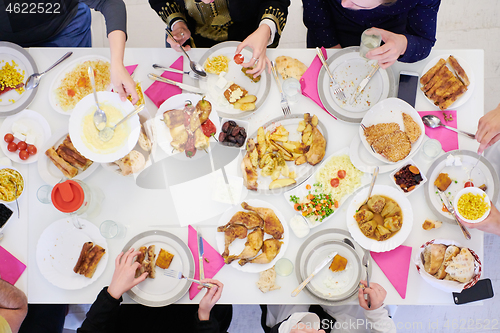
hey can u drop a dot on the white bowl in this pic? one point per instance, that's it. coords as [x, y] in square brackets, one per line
[24, 186]
[473, 190]
[408, 162]
[241, 123]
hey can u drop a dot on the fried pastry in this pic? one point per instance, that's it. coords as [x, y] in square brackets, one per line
[431, 72]
[90, 255]
[442, 181]
[373, 132]
[459, 71]
[411, 128]
[164, 259]
[399, 148]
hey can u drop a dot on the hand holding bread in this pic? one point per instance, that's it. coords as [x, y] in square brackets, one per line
[377, 295]
[124, 275]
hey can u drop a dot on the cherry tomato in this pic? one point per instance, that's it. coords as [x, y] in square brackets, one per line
[12, 147]
[335, 182]
[469, 184]
[8, 137]
[23, 154]
[32, 149]
[341, 174]
[239, 59]
[21, 145]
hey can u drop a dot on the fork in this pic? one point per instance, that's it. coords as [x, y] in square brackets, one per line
[178, 275]
[364, 129]
[284, 102]
[337, 90]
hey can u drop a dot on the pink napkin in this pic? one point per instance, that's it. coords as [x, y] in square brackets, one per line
[448, 139]
[309, 81]
[395, 265]
[216, 262]
[159, 92]
[131, 69]
[10, 267]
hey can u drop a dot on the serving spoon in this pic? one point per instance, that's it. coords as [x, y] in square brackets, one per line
[197, 69]
[375, 174]
[433, 122]
[100, 118]
[107, 133]
[34, 79]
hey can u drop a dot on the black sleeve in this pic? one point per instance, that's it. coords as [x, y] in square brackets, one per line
[169, 11]
[276, 11]
[100, 318]
[114, 12]
[206, 326]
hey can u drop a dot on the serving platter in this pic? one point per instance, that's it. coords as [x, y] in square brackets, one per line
[162, 290]
[315, 248]
[58, 250]
[234, 74]
[394, 241]
[483, 173]
[349, 69]
[468, 70]
[25, 63]
[239, 244]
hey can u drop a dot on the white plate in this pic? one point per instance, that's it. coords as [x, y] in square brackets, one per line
[59, 248]
[391, 111]
[468, 70]
[86, 106]
[239, 244]
[303, 171]
[62, 73]
[234, 74]
[24, 61]
[38, 126]
[163, 135]
[162, 290]
[365, 161]
[301, 191]
[48, 171]
[394, 241]
[483, 173]
[349, 69]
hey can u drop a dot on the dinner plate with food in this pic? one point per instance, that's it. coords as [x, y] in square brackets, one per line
[283, 153]
[72, 83]
[185, 125]
[16, 65]
[71, 258]
[447, 81]
[349, 69]
[234, 93]
[365, 161]
[384, 222]
[450, 174]
[160, 250]
[85, 135]
[10, 178]
[252, 236]
[320, 196]
[392, 131]
[23, 134]
[59, 159]
[337, 283]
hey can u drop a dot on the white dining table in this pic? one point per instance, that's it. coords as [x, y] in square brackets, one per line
[142, 209]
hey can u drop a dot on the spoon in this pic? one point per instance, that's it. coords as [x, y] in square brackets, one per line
[191, 74]
[375, 174]
[107, 133]
[433, 122]
[197, 69]
[34, 79]
[17, 203]
[349, 242]
[100, 118]
[366, 263]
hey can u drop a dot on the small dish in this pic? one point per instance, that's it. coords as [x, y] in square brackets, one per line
[473, 190]
[422, 182]
[240, 123]
[20, 191]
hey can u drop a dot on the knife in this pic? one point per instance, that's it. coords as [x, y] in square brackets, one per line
[363, 84]
[200, 255]
[183, 86]
[449, 206]
[316, 270]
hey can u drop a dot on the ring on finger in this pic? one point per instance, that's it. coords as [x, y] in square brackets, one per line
[182, 34]
[256, 60]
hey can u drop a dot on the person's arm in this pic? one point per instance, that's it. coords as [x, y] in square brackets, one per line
[490, 225]
[172, 13]
[488, 129]
[376, 314]
[13, 305]
[99, 319]
[203, 321]
[318, 21]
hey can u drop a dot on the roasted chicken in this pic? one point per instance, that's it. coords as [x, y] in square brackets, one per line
[249, 172]
[252, 246]
[230, 234]
[270, 250]
[318, 147]
[249, 220]
[272, 224]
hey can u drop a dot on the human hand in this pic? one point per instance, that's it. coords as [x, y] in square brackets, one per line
[211, 297]
[491, 224]
[257, 41]
[302, 328]
[124, 276]
[488, 129]
[387, 54]
[377, 295]
[181, 34]
[123, 84]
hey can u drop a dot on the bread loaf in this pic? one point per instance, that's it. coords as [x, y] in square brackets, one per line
[433, 257]
[461, 267]
[450, 253]
[290, 67]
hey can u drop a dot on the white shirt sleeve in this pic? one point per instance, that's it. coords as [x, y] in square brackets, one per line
[272, 26]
